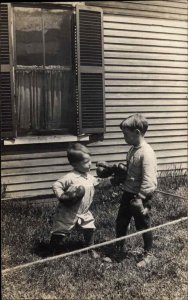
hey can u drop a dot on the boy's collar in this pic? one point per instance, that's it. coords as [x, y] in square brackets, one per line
[140, 145]
[78, 174]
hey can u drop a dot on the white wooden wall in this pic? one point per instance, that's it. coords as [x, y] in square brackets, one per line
[146, 72]
[146, 57]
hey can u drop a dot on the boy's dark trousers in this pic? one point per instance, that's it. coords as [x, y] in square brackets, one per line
[141, 221]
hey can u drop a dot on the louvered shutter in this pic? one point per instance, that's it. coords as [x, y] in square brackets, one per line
[90, 70]
[5, 83]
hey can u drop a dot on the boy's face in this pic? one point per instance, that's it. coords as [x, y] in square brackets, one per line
[131, 137]
[84, 165]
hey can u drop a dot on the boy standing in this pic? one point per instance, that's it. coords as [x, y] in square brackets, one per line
[75, 194]
[140, 183]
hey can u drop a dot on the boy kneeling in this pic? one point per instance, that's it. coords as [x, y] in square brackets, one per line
[75, 193]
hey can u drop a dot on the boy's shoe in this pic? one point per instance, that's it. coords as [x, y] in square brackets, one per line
[94, 254]
[56, 240]
[146, 260]
[121, 254]
[107, 259]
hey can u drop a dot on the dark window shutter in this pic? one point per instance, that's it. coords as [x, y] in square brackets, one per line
[90, 70]
[5, 83]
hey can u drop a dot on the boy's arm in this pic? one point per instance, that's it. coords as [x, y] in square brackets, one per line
[60, 186]
[102, 183]
[58, 189]
[149, 175]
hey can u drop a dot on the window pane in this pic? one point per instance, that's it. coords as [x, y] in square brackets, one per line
[30, 100]
[44, 91]
[57, 31]
[58, 98]
[28, 31]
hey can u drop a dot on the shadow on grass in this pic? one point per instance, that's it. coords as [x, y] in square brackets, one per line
[43, 249]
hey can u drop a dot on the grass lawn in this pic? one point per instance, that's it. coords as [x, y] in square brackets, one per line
[25, 238]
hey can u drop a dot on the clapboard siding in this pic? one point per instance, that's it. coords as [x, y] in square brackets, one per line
[145, 57]
[142, 48]
[165, 22]
[129, 8]
[51, 162]
[164, 3]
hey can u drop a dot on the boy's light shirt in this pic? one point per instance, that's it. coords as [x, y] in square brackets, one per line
[65, 217]
[142, 170]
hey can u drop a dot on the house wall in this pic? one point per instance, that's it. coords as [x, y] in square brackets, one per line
[145, 71]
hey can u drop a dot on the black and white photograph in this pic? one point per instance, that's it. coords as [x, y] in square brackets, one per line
[94, 150]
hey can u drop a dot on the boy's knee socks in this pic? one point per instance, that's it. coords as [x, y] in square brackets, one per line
[88, 236]
[148, 241]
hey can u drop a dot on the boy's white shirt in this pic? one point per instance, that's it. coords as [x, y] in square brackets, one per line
[75, 178]
[65, 217]
[142, 170]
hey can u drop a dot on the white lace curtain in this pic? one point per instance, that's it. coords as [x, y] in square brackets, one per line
[43, 99]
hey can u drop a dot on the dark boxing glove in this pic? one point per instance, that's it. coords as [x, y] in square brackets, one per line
[104, 169]
[122, 169]
[120, 173]
[136, 205]
[73, 195]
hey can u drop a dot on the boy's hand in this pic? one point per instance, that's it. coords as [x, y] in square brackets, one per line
[145, 211]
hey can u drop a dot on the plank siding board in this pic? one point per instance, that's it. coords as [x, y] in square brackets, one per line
[145, 51]
[128, 82]
[141, 62]
[164, 3]
[138, 102]
[145, 48]
[146, 42]
[145, 96]
[159, 122]
[154, 29]
[140, 10]
[146, 89]
[151, 134]
[145, 56]
[145, 35]
[118, 140]
[154, 127]
[144, 21]
[135, 76]
[41, 170]
[145, 69]
[117, 109]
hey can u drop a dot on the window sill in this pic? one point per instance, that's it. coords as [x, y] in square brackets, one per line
[46, 139]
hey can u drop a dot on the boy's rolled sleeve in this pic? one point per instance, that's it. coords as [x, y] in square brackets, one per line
[149, 175]
[60, 186]
[57, 189]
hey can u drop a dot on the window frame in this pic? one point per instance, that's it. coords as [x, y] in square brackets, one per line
[10, 137]
[42, 6]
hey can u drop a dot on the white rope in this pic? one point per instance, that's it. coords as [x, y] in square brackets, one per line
[174, 195]
[91, 247]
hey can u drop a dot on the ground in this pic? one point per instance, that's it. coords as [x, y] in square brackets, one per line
[25, 238]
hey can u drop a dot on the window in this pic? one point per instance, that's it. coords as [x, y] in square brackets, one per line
[55, 83]
[43, 71]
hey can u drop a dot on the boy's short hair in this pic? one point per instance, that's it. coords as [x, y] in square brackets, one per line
[75, 152]
[133, 122]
